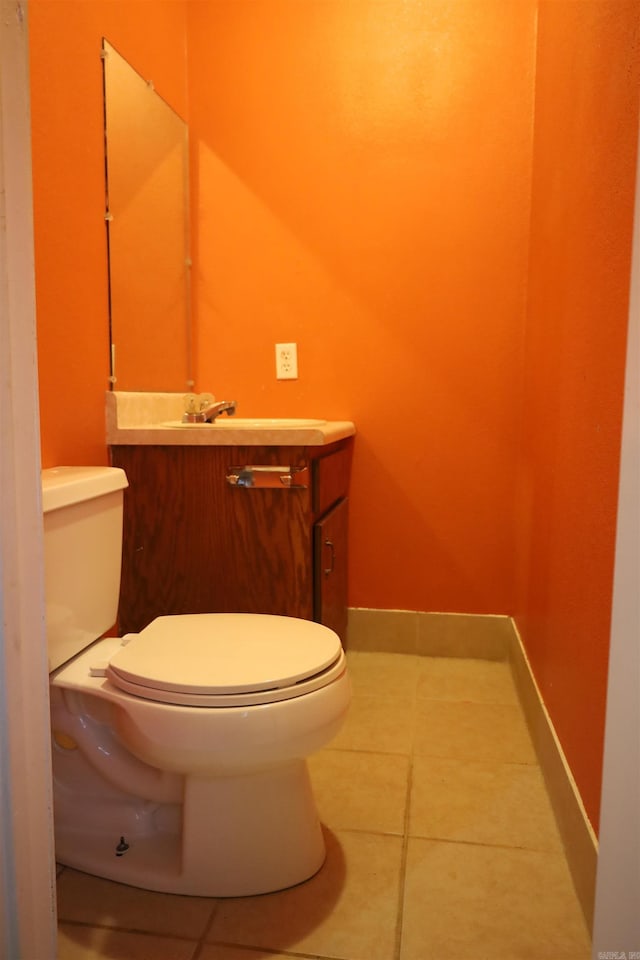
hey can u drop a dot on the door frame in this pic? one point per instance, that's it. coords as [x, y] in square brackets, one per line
[27, 861]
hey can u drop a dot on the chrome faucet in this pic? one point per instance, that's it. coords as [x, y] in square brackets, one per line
[209, 412]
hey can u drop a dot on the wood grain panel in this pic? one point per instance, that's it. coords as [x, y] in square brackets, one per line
[195, 544]
[331, 478]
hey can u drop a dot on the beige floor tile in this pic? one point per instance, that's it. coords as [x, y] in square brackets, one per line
[361, 791]
[91, 943]
[479, 681]
[86, 899]
[378, 724]
[472, 731]
[493, 885]
[384, 674]
[348, 910]
[466, 902]
[482, 802]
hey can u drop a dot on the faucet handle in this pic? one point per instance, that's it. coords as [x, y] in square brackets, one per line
[195, 402]
[190, 402]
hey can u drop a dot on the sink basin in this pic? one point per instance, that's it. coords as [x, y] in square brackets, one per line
[251, 423]
[268, 422]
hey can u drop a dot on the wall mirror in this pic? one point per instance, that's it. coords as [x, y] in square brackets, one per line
[146, 146]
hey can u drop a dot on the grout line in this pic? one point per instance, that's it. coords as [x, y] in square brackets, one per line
[372, 753]
[136, 931]
[546, 851]
[208, 925]
[481, 761]
[368, 833]
[266, 952]
[476, 759]
[403, 857]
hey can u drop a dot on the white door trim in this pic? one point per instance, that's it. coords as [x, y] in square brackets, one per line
[27, 864]
[617, 912]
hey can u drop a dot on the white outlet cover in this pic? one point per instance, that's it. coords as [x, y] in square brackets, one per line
[286, 361]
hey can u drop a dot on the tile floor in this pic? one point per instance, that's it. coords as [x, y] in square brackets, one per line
[441, 844]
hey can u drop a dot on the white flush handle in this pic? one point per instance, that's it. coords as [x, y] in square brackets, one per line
[99, 669]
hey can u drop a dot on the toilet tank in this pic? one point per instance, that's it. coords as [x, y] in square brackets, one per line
[82, 509]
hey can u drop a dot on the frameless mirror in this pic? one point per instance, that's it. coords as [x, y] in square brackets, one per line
[146, 145]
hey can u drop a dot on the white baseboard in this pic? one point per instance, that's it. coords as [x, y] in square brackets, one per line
[430, 634]
[578, 836]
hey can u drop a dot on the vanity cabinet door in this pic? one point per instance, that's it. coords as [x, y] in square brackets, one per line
[197, 541]
[330, 569]
[195, 544]
[265, 552]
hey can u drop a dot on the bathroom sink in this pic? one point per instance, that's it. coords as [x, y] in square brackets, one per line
[251, 423]
[150, 418]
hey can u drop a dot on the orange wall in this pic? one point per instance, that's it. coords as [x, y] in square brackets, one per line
[364, 174]
[69, 204]
[587, 77]
[363, 177]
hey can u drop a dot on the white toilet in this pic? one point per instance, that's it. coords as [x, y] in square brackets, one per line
[179, 753]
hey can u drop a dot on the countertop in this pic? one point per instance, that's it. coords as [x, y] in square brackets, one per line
[134, 418]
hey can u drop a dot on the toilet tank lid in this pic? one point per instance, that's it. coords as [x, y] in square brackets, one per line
[63, 486]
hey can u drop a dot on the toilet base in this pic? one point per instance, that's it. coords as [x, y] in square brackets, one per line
[232, 836]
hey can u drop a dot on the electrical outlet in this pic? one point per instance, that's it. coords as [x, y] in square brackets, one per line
[286, 361]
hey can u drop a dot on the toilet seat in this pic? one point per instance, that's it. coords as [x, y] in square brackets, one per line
[224, 660]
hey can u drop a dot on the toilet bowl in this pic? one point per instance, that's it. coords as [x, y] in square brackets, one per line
[179, 753]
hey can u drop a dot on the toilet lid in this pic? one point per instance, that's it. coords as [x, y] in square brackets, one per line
[193, 657]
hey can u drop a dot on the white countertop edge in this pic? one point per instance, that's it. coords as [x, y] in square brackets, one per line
[159, 435]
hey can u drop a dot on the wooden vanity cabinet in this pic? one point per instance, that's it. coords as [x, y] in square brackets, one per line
[194, 543]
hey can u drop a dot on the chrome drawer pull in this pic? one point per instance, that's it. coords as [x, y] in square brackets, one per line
[264, 477]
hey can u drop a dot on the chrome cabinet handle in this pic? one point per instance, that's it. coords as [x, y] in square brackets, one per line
[329, 570]
[258, 476]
